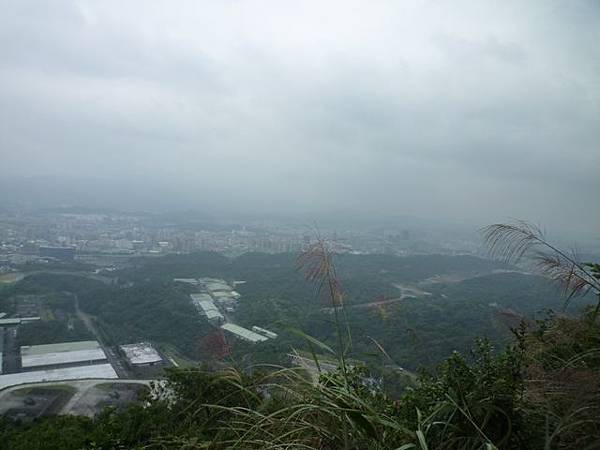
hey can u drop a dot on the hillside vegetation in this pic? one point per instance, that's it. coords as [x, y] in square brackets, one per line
[540, 390]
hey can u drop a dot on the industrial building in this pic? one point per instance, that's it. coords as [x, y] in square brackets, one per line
[50, 356]
[264, 332]
[218, 295]
[215, 284]
[200, 297]
[225, 299]
[191, 281]
[67, 373]
[17, 320]
[65, 253]
[141, 354]
[243, 333]
[206, 307]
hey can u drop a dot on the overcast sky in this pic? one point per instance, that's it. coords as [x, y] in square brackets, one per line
[469, 111]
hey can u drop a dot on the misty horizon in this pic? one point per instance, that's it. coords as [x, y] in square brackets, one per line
[469, 113]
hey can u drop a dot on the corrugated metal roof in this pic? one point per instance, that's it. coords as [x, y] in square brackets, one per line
[18, 320]
[207, 306]
[264, 332]
[243, 333]
[60, 347]
[10, 321]
[67, 373]
[63, 353]
[200, 297]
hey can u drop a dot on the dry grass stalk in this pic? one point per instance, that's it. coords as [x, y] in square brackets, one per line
[511, 242]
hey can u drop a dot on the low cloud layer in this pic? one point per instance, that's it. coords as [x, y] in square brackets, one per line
[469, 111]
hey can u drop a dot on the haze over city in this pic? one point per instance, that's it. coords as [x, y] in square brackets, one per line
[269, 224]
[464, 111]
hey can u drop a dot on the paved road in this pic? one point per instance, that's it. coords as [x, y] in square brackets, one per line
[84, 387]
[111, 354]
[81, 388]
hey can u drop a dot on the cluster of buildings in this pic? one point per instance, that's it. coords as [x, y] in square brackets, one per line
[26, 236]
[206, 306]
[214, 295]
[62, 361]
[67, 360]
[215, 300]
[62, 235]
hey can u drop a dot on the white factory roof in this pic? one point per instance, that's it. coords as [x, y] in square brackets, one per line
[200, 297]
[63, 353]
[68, 373]
[217, 286]
[243, 333]
[223, 294]
[17, 320]
[207, 306]
[210, 280]
[264, 332]
[142, 353]
[185, 280]
[30, 319]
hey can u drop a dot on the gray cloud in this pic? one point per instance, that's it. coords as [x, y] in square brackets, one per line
[464, 110]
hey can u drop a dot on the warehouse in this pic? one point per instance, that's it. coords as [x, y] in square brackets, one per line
[191, 281]
[200, 297]
[243, 333]
[264, 332]
[215, 284]
[141, 354]
[17, 320]
[206, 307]
[68, 373]
[35, 357]
[225, 300]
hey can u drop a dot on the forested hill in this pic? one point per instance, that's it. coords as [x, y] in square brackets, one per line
[249, 265]
[418, 308]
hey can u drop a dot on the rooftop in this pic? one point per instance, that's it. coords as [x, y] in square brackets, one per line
[141, 353]
[207, 306]
[186, 280]
[216, 287]
[60, 347]
[17, 320]
[243, 333]
[265, 332]
[68, 373]
[63, 353]
[200, 297]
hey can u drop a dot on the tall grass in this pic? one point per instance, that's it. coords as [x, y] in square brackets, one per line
[526, 397]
